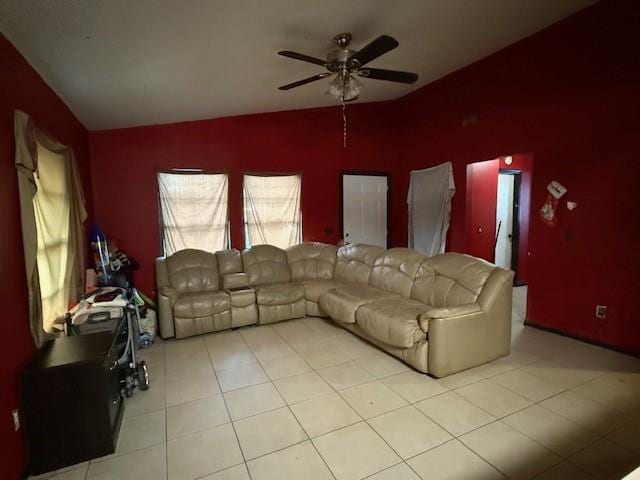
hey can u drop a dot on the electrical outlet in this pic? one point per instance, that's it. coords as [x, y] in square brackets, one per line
[601, 311]
[16, 419]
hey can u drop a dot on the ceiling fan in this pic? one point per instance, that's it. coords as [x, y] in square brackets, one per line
[344, 63]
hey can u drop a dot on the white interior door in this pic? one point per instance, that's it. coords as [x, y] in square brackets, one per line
[364, 209]
[504, 220]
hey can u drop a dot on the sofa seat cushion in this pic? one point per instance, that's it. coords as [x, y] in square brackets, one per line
[279, 294]
[342, 303]
[314, 288]
[200, 304]
[394, 321]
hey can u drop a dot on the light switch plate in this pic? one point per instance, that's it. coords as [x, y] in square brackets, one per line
[601, 311]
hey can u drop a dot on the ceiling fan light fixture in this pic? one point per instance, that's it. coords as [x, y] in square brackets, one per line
[352, 88]
[344, 87]
[335, 87]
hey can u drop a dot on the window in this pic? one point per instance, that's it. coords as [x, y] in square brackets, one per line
[52, 211]
[272, 210]
[194, 211]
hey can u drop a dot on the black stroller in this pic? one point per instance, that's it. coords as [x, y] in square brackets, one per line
[113, 309]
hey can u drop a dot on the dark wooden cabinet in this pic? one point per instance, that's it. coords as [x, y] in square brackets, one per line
[71, 401]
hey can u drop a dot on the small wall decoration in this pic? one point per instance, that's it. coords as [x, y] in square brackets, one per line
[548, 212]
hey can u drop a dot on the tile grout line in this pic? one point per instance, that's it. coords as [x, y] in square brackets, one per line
[166, 419]
[313, 445]
[497, 419]
[379, 379]
[363, 421]
[235, 432]
[485, 460]
[308, 439]
[366, 421]
[562, 458]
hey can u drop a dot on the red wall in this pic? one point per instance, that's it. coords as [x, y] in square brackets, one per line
[480, 209]
[22, 88]
[125, 163]
[524, 163]
[481, 199]
[568, 95]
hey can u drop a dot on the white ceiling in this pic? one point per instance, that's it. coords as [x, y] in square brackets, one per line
[120, 63]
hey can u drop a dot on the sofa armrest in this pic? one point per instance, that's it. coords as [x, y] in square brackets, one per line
[167, 296]
[446, 312]
[169, 292]
[234, 280]
[458, 342]
[432, 313]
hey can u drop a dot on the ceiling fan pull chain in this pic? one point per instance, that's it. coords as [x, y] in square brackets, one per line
[344, 122]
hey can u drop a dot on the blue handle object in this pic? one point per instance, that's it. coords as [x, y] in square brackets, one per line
[97, 234]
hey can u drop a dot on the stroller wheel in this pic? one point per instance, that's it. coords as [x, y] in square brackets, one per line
[143, 376]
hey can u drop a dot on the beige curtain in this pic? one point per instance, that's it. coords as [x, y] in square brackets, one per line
[272, 210]
[194, 209]
[52, 210]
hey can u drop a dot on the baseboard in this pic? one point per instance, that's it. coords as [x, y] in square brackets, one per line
[583, 339]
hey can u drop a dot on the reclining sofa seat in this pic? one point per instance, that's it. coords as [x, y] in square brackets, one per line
[468, 315]
[441, 314]
[385, 315]
[268, 273]
[353, 268]
[189, 297]
[394, 320]
[312, 265]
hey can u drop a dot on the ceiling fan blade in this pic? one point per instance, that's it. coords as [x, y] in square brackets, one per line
[380, 46]
[389, 75]
[302, 57]
[320, 76]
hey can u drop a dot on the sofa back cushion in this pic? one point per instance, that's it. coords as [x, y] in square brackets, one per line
[395, 269]
[265, 264]
[312, 261]
[450, 279]
[354, 262]
[229, 261]
[192, 271]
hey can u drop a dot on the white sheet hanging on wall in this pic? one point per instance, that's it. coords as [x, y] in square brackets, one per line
[429, 201]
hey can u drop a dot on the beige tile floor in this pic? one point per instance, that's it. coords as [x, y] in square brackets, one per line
[305, 399]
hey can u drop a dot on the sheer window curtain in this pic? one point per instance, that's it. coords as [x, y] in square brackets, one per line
[194, 211]
[272, 210]
[52, 211]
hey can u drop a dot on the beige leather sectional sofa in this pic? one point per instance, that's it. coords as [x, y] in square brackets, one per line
[439, 314]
